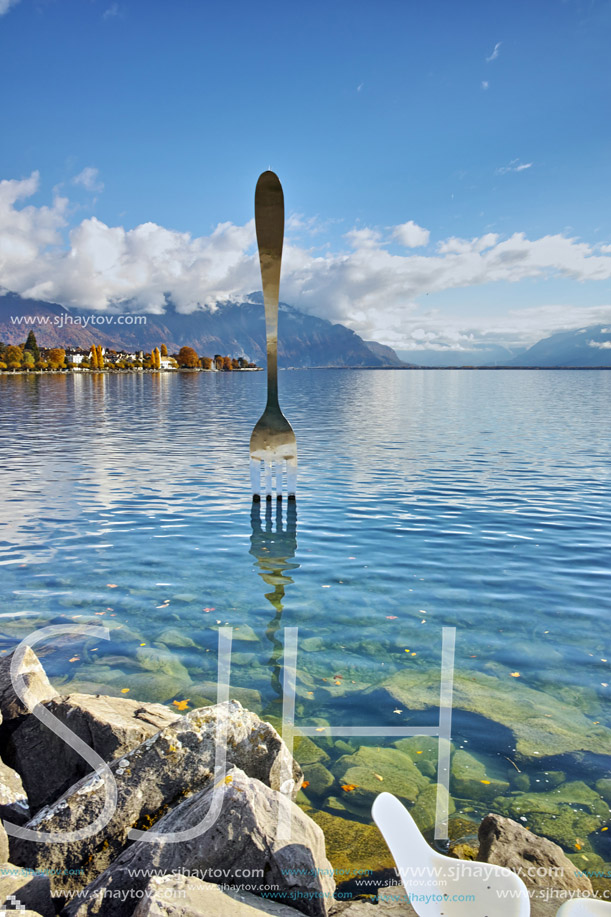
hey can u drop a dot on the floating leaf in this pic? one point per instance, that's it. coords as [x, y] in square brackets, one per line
[487, 782]
[124, 690]
[181, 704]
[305, 784]
[111, 585]
[74, 659]
[515, 674]
[349, 787]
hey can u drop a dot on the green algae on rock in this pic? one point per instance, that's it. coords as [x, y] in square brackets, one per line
[373, 770]
[541, 724]
[353, 848]
[471, 780]
[566, 814]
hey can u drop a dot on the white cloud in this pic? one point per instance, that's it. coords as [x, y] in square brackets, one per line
[88, 178]
[5, 5]
[603, 345]
[514, 166]
[411, 235]
[112, 11]
[377, 293]
[359, 87]
[485, 84]
[495, 53]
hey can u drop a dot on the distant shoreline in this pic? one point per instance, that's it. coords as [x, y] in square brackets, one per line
[125, 372]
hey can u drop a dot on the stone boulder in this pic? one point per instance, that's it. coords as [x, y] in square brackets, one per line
[112, 726]
[20, 888]
[242, 846]
[175, 762]
[13, 800]
[176, 895]
[3, 845]
[39, 688]
[538, 861]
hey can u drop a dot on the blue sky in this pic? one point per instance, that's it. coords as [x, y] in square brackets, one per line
[395, 127]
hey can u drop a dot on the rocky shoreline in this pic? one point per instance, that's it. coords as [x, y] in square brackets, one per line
[226, 848]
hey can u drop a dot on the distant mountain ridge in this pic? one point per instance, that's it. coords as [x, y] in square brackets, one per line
[235, 329]
[587, 347]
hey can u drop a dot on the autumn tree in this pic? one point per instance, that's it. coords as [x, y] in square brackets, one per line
[100, 357]
[156, 359]
[207, 362]
[13, 354]
[93, 357]
[56, 357]
[31, 346]
[164, 350]
[188, 357]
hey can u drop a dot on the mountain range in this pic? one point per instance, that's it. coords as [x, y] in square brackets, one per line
[234, 329]
[238, 329]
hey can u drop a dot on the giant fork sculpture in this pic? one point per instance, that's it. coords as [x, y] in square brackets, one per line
[272, 441]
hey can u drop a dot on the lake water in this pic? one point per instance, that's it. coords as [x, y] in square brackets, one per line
[476, 500]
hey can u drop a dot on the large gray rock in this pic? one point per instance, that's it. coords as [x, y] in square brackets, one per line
[3, 845]
[242, 846]
[173, 763]
[538, 861]
[20, 887]
[112, 726]
[39, 688]
[176, 895]
[13, 800]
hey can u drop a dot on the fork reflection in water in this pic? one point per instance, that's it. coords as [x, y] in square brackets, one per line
[274, 546]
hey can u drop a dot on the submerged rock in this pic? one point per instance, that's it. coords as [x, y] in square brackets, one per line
[205, 693]
[425, 808]
[111, 726]
[470, 779]
[176, 761]
[565, 814]
[424, 752]
[541, 723]
[373, 770]
[242, 846]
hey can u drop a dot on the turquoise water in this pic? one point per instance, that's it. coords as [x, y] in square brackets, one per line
[479, 500]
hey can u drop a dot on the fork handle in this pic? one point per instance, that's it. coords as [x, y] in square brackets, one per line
[269, 223]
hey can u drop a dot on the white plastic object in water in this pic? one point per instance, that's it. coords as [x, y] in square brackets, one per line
[585, 907]
[441, 886]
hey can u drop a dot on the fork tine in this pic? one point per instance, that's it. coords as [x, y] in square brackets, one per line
[255, 477]
[291, 478]
[268, 480]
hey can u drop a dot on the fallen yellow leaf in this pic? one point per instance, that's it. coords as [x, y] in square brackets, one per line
[515, 674]
[348, 787]
[485, 781]
[377, 776]
[124, 690]
[181, 704]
